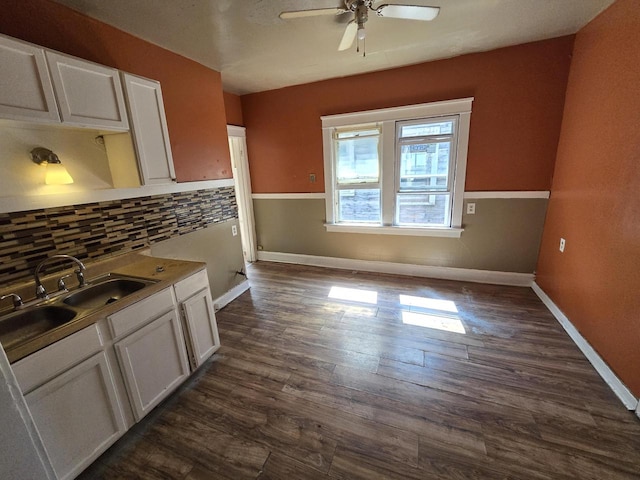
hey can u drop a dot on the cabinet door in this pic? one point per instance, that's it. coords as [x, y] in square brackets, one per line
[149, 129]
[26, 92]
[201, 327]
[77, 415]
[154, 362]
[89, 95]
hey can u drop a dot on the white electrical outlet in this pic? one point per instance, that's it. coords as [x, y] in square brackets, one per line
[234, 230]
[562, 244]
[471, 208]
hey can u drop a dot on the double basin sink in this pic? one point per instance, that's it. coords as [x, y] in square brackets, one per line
[28, 323]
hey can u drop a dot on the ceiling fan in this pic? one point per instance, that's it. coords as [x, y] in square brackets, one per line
[360, 10]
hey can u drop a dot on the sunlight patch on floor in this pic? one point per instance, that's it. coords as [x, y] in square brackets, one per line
[354, 295]
[449, 324]
[431, 313]
[430, 303]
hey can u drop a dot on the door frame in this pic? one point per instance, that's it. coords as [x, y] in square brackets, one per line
[242, 181]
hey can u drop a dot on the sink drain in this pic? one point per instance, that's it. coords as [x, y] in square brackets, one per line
[111, 300]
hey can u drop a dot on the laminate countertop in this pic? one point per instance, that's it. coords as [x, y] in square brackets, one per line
[165, 272]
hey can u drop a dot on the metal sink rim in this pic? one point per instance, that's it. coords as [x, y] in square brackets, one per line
[57, 301]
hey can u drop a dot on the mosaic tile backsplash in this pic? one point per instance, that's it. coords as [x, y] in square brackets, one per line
[98, 229]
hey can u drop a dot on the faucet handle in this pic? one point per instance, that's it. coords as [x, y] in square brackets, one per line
[17, 300]
[61, 285]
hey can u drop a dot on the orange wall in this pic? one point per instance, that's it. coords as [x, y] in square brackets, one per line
[515, 124]
[595, 200]
[233, 109]
[192, 93]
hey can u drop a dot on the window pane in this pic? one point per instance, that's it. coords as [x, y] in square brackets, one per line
[423, 129]
[423, 209]
[359, 205]
[425, 166]
[358, 160]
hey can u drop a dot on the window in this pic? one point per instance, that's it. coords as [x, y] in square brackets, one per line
[398, 170]
[358, 175]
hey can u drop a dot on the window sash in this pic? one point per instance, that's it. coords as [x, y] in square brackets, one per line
[350, 135]
[338, 217]
[434, 191]
[431, 201]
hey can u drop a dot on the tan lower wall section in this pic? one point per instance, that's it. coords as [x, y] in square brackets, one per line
[214, 245]
[503, 235]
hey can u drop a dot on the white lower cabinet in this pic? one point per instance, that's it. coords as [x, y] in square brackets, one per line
[201, 326]
[87, 389]
[153, 361]
[194, 295]
[78, 415]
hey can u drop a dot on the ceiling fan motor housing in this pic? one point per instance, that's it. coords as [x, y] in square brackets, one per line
[362, 15]
[353, 5]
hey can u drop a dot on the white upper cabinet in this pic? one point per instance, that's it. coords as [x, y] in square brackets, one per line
[89, 95]
[26, 92]
[149, 129]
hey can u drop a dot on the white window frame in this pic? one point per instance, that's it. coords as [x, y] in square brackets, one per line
[387, 119]
[357, 186]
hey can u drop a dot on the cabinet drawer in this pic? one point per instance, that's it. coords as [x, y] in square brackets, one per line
[135, 316]
[45, 364]
[190, 285]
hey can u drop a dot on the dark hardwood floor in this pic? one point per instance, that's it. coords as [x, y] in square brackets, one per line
[311, 387]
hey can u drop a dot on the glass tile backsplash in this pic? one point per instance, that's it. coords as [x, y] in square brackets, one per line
[99, 229]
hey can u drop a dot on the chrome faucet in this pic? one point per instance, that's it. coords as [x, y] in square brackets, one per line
[17, 300]
[40, 290]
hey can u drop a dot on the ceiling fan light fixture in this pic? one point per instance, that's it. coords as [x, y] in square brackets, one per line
[361, 33]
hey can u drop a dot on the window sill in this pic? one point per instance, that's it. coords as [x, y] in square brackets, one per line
[387, 230]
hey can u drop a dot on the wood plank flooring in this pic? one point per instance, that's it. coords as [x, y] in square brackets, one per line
[311, 387]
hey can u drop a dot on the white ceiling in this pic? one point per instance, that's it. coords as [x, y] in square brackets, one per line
[255, 50]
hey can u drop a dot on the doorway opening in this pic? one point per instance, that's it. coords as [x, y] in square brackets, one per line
[242, 182]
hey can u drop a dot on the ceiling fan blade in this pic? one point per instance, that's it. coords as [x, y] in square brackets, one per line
[312, 13]
[349, 35]
[408, 12]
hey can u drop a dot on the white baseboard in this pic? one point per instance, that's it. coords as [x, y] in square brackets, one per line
[231, 295]
[618, 387]
[445, 273]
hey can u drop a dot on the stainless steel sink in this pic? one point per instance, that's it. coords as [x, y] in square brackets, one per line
[104, 292]
[22, 326]
[39, 317]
